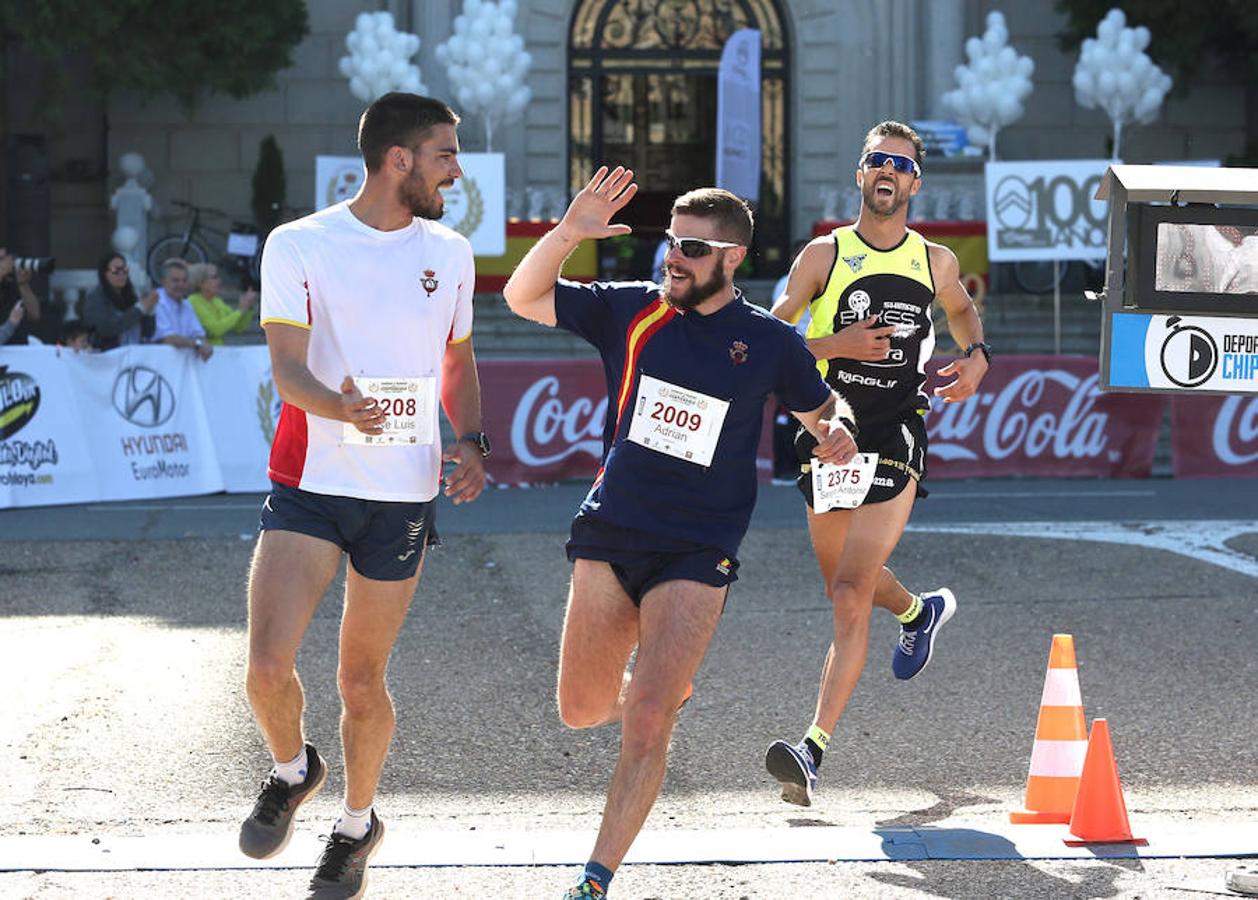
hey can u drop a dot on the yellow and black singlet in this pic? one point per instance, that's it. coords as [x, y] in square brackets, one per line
[896, 285]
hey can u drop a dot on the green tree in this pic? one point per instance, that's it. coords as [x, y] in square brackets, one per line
[188, 48]
[1185, 37]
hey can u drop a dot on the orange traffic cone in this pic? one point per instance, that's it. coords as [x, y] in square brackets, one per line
[1061, 741]
[1100, 812]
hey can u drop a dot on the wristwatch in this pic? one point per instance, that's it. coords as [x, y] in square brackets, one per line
[850, 426]
[198, 343]
[981, 345]
[479, 440]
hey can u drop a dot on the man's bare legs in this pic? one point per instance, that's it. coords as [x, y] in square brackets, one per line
[374, 612]
[672, 631]
[852, 548]
[289, 574]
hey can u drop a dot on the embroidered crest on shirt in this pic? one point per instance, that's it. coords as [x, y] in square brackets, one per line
[738, 352]
[855, 262]
[429, 281]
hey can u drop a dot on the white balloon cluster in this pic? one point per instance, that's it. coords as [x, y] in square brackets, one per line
[378, 60]
[1116, 74]
[487, 63]
[992, 86]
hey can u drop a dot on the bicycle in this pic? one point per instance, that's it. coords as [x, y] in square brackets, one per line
[242, 243]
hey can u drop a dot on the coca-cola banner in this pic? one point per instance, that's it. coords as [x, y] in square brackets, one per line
[1213, 437]
[1042, 415]
[546, 419]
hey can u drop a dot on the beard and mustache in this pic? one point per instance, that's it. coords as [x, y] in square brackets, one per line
[423, 202]
[698, 291]
[882, 205]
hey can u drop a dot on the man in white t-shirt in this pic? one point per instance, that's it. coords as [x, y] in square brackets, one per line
[367, 309]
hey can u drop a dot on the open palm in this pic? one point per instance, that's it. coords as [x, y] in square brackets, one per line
[591, 210]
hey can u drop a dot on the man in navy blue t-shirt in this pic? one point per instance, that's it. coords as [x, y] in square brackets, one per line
[654, 546]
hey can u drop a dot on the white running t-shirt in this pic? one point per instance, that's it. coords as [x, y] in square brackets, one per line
[379, 305]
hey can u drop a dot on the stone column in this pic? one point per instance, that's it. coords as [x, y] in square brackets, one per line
[944, 24]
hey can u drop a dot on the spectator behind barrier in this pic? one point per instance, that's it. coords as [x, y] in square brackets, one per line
[112, 309]
[177, 322]
[15, 290]
[77, 336]
[214, 313]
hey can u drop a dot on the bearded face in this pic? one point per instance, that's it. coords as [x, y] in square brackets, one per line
[683, 289]
[422, 199]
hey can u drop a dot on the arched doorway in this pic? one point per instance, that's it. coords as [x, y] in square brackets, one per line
[642, 79]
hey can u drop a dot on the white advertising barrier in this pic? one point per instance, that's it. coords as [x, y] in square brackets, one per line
[1044, 210]
[476, 206]
[242, 407]
[143, 418]
[43, 458]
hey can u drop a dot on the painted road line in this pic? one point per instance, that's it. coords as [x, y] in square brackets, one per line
[1202, 540]
[413, 847]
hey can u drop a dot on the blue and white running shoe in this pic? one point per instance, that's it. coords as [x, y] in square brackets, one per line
[913, 650]
[792, 765]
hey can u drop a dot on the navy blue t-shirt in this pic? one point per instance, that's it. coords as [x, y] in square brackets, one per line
[740, 354]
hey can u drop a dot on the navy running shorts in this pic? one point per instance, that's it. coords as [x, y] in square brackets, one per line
[901, 448]
[641, 560]
[385, 540]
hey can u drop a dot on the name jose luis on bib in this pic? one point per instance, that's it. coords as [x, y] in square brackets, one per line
[677, 421]
[408, 404]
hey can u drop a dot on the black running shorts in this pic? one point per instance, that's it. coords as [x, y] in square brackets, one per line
[901, 448]
[641, 561]
[385, 540]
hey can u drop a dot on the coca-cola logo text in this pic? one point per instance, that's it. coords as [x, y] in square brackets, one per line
[1235, 432]
[545, 431]
[1022, 420]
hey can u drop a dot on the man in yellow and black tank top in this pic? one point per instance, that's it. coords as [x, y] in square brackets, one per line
[869, 288]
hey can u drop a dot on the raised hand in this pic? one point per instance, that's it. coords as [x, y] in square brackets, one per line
[591, 210]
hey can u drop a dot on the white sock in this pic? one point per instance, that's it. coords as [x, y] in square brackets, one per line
[353, 823]
[293, 772]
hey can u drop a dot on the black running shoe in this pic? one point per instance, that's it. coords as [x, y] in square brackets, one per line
[342, 870]
[267, 830]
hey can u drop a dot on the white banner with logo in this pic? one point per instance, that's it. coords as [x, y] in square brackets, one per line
[337, 178]
[1044, 210]
[144, 418]
[738, 115]
[1183, 353]
[475, 207]
[43, 457]
[242, 408]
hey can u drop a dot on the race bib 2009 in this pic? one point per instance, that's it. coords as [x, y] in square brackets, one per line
[677, 421]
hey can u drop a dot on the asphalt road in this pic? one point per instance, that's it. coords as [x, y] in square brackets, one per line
[122, 650]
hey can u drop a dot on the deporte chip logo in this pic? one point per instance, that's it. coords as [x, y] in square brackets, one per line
[1189, 354]
[19, 401]
[143, 397]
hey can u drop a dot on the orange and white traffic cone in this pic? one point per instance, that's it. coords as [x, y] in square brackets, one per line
[1100, 812]
[1061, 741]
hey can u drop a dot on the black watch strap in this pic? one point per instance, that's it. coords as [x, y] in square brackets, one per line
[479, 440]
[981, 345]
[850, 426]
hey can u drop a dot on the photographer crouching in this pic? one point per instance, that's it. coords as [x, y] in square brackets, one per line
[19, 305]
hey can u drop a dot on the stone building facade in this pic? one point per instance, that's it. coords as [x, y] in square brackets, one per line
[843, 65]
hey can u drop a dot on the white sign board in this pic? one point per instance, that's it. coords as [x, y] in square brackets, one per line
[1043, 210]
[1203, 353]
[738, 115]
[476, 206]
[337, 178]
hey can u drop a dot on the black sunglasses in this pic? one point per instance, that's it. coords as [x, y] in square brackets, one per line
[695, 248]
[905, 165]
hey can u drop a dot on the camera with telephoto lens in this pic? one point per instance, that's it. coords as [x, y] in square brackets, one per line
[39, 265]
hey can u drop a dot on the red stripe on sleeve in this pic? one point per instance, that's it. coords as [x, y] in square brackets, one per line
[288, 449]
